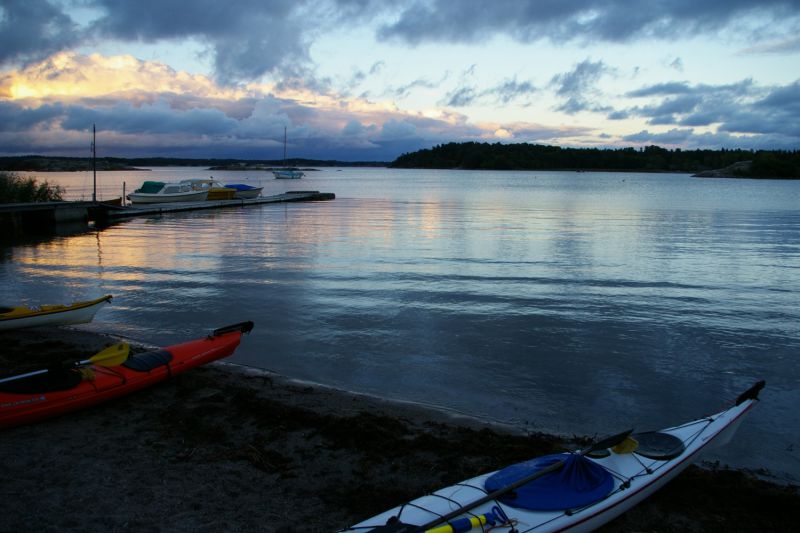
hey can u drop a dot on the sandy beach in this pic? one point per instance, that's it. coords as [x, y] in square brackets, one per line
[227, 448]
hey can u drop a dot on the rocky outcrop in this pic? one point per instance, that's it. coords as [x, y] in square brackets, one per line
[742, 169]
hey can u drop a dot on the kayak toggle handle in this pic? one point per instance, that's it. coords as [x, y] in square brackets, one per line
[244, 327]
[751, 393]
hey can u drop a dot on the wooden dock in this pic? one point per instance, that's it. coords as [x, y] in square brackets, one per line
[137, 210]
[19, 219]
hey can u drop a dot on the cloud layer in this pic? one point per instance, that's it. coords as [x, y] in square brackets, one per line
[262, 76]
[582, 20]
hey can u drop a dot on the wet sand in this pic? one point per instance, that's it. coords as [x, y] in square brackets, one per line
[226, 448]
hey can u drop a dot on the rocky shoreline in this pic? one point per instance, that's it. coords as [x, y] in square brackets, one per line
[227, 448]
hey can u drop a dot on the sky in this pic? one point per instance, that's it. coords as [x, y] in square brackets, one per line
[369, 80]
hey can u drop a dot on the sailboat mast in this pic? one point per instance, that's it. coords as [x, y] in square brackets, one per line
[284, 146]
[94, 163]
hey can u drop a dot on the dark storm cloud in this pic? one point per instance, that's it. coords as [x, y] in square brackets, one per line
[745, 114]
[681, 103]
[582, 20]
[246, 39]
[777, 112]
[32, 29]
[155, 119]
[15, 118]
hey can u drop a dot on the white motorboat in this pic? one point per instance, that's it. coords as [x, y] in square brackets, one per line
[158, 192]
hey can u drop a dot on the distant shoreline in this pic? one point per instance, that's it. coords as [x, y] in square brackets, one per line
[471, 156]
[36, 163]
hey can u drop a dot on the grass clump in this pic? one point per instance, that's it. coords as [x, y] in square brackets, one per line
[17, 189]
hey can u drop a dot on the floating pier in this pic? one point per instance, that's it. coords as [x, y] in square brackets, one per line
[137, 210]
[38, 216]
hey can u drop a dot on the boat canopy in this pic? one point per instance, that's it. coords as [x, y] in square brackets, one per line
[239, 186]
[578, 483]
[151, 187]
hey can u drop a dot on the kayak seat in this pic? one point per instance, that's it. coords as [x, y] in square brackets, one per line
[658, 446]
[144, 362]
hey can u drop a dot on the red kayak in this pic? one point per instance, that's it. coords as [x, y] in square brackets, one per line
[111, 373]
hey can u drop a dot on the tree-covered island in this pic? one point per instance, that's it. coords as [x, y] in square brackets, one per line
[774, 164]
[706, 163]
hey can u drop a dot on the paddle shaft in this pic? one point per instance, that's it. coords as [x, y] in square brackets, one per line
[41, 371]
[603, 444]
[107, 355]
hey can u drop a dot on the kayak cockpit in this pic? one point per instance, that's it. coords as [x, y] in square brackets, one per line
[147, 361]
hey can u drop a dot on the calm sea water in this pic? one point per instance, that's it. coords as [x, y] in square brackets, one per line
[579, 303]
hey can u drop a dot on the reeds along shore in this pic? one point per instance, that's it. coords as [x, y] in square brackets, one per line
[224, 448]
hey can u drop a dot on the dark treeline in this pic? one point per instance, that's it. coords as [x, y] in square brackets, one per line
[485, 156]
[38, 163]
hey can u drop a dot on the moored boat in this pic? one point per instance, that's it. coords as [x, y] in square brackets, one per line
[50, 315]
[158, 192]
[244, 191]
[288, 174]
[111, 373]
[574, 491]
[216, 190]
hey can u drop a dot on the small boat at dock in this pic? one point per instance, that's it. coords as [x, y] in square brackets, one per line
[216, 190]
[159, 192]
[244, 191]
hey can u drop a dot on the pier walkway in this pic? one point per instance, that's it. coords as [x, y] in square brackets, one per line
[137, 210]
[18, 219]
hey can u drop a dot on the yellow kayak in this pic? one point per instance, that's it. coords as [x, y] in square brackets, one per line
[50, 315]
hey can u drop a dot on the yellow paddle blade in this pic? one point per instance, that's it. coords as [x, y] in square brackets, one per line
[474, 522]
[114, 355]
[629, 445]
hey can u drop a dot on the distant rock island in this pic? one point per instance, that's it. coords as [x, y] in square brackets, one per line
[774, 164]
[37, 163]
[742, 169]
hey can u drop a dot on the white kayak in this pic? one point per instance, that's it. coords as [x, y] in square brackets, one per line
[50, 315]
[575, 491]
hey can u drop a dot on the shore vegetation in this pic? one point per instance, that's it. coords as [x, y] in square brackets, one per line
[18, 189]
